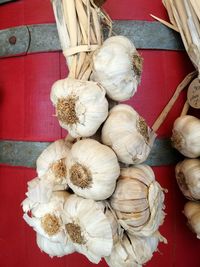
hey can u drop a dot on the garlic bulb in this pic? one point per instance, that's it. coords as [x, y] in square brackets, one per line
[117, 66]
[92, 169]
[40, 190]
[81, 106]
[134, 250]
[51, 167]
[138, 201]
[87, 228]
[186, 136]
[188, 178]
[192, 212]
[53, 248]
[46, 218]
[127, 134]
[122, 254]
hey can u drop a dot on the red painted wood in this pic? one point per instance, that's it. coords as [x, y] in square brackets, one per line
[27, 114]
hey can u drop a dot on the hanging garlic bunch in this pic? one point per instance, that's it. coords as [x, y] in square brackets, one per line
[186, 136]
[46, 218]
[127, 133]
[138, 201]
[81, 106]
[53, 248]
[192, 212]
[188, 178]
[87, 228]
[133, 251]
[117, 66]
[92, 169]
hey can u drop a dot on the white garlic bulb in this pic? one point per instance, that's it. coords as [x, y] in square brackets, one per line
[40, 190]
[53, 248]
[188, 178]
[144, 247]
[122, 254]
[126, 132]
[192, 212]
[88, 228]
[51, 167]
[46, 218]
[134, 251]
[186, 136]
[138, 201]
[81, 106]
[92, 169]
[117, 66]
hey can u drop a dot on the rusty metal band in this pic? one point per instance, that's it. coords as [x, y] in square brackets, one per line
[39, 38]
[20, 153]
[6, 1]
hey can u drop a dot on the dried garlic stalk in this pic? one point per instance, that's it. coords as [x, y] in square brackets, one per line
[184, 17]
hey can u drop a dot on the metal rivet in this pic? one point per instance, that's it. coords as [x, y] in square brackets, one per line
[12, 40]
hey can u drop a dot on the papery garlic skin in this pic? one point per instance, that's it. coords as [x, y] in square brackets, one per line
[87, 228]
[92, 169]
[53, 248]
[138, 201]
[126, 132]
[46, 218]
[51, 157]
[117, 66]
[192, 212]
[188, 178]
[186, 136]
[122, 254]
[144, 247]
[81, 106]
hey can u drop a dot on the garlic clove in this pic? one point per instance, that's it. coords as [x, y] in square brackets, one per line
[92, 169]
[134, 219]
[81, 106]
[88, 228]
[53, 248]
[130, 187]
[132, 205]
[186, 136]
[132, 141]
[117, 66]
[188, 178]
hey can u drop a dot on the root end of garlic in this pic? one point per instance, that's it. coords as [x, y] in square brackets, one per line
[66, 110]
[50, 223]
[74, 231]
[80, 176]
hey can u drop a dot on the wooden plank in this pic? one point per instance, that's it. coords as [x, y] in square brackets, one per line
[20, 153]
